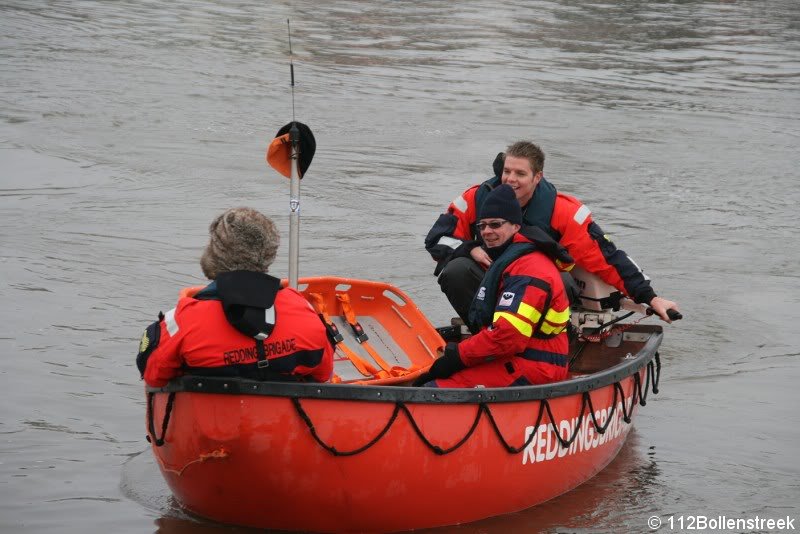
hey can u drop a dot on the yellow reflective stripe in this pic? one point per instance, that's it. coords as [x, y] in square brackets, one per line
[524, 328]
[533, 315]
[556, 317]
[529, 312]
[555, 321]
[565, 267]
[549, 329]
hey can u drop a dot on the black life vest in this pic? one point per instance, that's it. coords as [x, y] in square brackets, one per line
[481, 311]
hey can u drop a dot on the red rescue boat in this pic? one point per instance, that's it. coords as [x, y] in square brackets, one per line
[368, 455]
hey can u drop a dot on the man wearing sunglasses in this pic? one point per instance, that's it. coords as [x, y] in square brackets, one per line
[455, 242]
[520, 312]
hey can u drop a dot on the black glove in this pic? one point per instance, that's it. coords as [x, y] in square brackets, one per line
[464, 249]
[448, 364]
[440, 265]
[422, 379]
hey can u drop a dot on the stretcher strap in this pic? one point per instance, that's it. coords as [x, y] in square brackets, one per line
[361, 337]
[318, 304]
[363, 367]
[350, 315]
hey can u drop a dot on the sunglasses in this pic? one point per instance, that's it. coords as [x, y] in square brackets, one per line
[494, 225]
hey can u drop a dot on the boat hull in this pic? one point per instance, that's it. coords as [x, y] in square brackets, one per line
[306, 457]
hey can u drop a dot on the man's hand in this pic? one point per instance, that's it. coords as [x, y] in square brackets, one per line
[448, 364]
[443, 367]
[660, 306]
[480, 256]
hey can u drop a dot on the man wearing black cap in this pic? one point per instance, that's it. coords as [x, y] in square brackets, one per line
[521, 309]
[454, 241]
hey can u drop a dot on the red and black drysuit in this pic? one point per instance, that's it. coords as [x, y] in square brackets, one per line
[563, 217]
[523, 311]
[242, 324]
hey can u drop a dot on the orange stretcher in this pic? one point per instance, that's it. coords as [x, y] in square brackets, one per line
[381, 337]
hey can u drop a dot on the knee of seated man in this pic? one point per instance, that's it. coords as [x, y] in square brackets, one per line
[457, 272]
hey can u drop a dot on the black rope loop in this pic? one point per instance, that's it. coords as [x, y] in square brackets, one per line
[653, 371]
[637, 388]
[435, 448]
[152, 437]
[508, 447]
[625, 415]
[578, 423]
[643, 398]
[602, 429]
[656, 374]
[302, 413]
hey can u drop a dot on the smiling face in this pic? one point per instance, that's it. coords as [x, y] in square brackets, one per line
[518, 174]
[495, 237]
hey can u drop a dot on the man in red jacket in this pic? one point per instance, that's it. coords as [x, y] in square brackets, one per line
[521, 310]
[242, 323]
[454, 241]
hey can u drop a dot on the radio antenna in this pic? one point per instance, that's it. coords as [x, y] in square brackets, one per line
[291, 62]
[283, 155]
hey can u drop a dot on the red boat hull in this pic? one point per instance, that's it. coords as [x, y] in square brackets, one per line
[262, 461]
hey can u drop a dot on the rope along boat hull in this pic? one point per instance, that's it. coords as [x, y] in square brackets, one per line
[376, 458]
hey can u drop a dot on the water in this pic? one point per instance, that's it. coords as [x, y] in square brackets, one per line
[127, 126]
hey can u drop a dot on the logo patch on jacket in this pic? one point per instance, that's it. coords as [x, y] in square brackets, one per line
[147, 345]
[506, 299]
[481, 293]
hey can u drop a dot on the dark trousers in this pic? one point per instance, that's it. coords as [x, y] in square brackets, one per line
[460, 281]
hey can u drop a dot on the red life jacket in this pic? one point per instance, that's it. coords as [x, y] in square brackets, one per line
[197, 337]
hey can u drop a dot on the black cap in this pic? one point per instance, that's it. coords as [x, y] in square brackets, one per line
[501, 203]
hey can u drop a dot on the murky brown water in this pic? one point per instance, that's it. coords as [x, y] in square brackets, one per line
[126, 126]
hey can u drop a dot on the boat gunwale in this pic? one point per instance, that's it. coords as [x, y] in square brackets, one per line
[416, 395]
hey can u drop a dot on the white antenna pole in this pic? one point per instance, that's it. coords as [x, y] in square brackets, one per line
[294, 207]
[294, 184]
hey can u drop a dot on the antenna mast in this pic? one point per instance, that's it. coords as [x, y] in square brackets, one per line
[294, 184]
